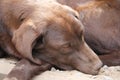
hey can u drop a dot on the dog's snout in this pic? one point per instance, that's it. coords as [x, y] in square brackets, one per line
[98, 65]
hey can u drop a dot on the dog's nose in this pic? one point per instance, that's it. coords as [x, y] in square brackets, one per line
[98, 66]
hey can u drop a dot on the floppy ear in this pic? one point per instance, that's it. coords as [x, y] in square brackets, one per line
[24, 37]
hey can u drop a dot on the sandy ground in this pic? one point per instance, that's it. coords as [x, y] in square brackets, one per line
[106, 73]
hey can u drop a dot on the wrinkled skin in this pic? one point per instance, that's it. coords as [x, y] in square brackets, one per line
[44, 34]
[101, 19]
[61, 45]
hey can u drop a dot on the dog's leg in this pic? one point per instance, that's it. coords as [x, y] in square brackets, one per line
[25, 70]
[111, 59]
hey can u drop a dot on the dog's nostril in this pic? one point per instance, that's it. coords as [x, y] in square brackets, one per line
[98, 66]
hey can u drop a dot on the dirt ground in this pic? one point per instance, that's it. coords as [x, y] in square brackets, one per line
[106, 73]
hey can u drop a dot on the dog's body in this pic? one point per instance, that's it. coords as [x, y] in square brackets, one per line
[101, 19]
[43, 33]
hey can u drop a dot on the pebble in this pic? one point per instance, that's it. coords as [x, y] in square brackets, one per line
[103, 69]
[53, 69]
[107, 78]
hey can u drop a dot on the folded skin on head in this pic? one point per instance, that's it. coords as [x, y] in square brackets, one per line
[56, 36]
[52, 33]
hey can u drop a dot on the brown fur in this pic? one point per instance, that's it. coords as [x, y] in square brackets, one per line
[101, 19]
[44, 31]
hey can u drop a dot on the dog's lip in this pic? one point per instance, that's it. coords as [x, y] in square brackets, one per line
[64, 67]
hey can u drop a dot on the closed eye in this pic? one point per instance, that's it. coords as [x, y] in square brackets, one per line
[67, 45]
[66, 48]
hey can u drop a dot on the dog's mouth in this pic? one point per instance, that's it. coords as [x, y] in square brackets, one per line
[64, 67]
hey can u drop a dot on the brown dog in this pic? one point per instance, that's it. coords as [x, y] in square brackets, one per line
[101, 19]
[46, 33]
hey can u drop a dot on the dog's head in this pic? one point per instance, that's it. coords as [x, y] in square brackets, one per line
[56, 36]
